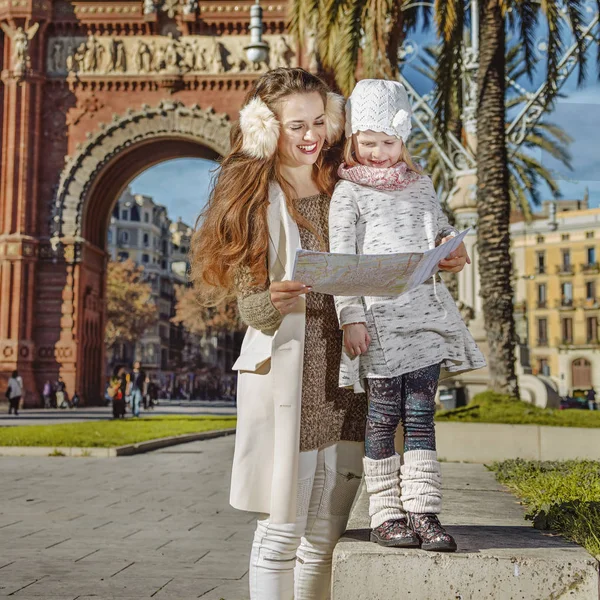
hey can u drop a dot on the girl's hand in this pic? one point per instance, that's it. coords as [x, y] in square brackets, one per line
[285, 295]
[356, 338]
[457, 259]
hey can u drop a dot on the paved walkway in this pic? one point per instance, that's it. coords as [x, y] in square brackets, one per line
[149, 526]
[54, 416]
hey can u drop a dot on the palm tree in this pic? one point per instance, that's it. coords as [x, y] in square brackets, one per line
[349, 32]
[525, 171]
[343, 27]
[493, 191]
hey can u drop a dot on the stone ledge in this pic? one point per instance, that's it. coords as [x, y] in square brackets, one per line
[500, 556]
[489, 442]
[127, 450]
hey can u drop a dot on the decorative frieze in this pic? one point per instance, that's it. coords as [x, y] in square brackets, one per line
[148, 55]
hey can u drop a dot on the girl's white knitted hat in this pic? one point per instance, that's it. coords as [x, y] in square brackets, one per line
[379, 105]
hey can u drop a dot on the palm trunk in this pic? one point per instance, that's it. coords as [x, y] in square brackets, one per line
[493, 202]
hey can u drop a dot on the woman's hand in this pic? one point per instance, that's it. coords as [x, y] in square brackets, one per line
[356, 338]
[285, 295]
[457, 259]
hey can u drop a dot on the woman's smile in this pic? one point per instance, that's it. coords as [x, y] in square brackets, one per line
[309, 149]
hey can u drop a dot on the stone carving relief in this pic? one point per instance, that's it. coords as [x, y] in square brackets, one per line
[20, 39]
[146, 55]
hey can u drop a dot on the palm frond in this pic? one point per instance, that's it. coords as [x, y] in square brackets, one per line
[576, 11]
[555, 44]
[448, 12]
[528, 17]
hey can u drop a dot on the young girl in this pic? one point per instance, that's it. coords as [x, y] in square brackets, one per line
[398, 344]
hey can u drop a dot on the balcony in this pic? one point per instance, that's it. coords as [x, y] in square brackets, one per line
[542, 304]
[541, 342]
[590, 268]
[540, 270]
[562, 342]
[520, 307]
[589, 303]
[564, 269]
[565, 304]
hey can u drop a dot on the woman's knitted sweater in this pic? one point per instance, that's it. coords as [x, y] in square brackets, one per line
[328, 414]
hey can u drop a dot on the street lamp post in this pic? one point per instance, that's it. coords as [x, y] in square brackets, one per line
[258, 50]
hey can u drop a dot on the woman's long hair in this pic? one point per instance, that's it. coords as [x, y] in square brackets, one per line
[232, 230]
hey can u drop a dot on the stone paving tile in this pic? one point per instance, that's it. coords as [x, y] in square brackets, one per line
[155, 525]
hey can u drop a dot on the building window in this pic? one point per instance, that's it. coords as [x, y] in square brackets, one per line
[135, 213]
[540, 239]
[592, 330]
[589, 235]
[146, 218]
[542, 295]
[567, 330]
[109, 237]
[124, 215]
[590, 290]
[591, 256]
[564, 237]
[566, 261]
[123, 256]
[541, 262]
[566, 294]
[124, 237]
[543, 367]
[145, 258]
[542, 326]
[146, 240]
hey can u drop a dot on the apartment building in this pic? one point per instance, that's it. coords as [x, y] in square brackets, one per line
[557, 290]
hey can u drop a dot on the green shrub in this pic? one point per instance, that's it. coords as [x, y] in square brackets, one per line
[563, 496]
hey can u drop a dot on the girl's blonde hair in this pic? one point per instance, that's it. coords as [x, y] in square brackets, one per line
[232, 230]
[350, 158]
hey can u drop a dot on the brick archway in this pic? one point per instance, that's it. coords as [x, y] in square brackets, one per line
[135, 141]
[88, 188]
[100, 90]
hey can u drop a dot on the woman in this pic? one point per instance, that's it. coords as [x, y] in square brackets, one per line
[14, 393]
[299, 443]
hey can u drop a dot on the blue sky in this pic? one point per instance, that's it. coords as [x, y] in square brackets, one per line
[183, 184]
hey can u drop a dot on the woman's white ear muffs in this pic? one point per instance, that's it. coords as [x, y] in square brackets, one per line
[260, 129]
[334, 117]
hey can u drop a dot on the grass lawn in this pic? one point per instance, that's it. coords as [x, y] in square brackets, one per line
[489, 407]
[563, 496]
[106, 434]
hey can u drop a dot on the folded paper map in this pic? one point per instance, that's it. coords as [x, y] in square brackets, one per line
[370, 274]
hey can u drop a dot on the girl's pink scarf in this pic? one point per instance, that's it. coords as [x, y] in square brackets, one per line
[393, 178]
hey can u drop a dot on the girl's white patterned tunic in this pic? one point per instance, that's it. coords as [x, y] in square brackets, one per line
[417, 329]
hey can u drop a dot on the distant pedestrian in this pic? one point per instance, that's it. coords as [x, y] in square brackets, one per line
[14, 393]
[47, 394]
[138, 379]
[62, 398]
[117, 389]
[75, 400]
[591, 399]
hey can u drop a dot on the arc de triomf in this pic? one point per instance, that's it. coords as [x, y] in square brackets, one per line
[93, 92]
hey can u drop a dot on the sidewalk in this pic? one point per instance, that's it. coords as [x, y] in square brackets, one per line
[156, 525]
[56, 416]
[500, 556]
